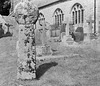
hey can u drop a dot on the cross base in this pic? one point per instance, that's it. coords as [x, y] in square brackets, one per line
[26, 75]
[68, 40]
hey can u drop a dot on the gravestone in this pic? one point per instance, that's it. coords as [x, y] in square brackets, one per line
[78, 35]
[90, 21]
[26, 14]
[46, 49]
[3, 27]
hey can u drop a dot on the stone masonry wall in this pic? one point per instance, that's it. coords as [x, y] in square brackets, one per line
[66, 6]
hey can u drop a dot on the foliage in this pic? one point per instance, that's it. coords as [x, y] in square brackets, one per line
[5, 7]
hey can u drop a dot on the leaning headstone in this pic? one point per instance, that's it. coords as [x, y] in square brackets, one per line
[26, 14]
[78, 35]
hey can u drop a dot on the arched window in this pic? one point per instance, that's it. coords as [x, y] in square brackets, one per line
[58, 16]
[77, 13]
[41, 18]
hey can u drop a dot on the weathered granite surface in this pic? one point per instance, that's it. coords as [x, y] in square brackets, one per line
[26, 14]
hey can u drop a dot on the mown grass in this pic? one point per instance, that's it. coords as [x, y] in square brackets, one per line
[80, 70]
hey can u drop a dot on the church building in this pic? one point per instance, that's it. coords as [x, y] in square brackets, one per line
[77, 13]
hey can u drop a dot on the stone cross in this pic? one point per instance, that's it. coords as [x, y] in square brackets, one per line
[46, 49]
[67, 39]
[26, 14]
[43, 31]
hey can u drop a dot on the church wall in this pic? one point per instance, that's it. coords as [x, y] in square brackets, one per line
[98, 15]
[66, 6]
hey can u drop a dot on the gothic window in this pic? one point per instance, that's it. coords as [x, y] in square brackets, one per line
[82, 15]
[76, 17]
[77, 14]
[58, 16]
[41, 18]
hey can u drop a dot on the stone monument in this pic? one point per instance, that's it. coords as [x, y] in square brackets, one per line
[26, 14]
[46, 49]
[89, 21]
[3, 22]
[67, 39]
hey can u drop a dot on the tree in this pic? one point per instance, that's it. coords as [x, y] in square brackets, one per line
[5, 6]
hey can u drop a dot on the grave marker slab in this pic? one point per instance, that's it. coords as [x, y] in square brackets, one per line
[45, 47]
[90, 21]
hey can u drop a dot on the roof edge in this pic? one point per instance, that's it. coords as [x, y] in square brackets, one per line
[56, 2]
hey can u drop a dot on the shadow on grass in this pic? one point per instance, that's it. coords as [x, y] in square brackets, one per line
[43, 68]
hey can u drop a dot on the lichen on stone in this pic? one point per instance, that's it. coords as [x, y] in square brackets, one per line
[26, 15]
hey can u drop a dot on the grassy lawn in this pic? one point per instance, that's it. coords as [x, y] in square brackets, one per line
[80, 70]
